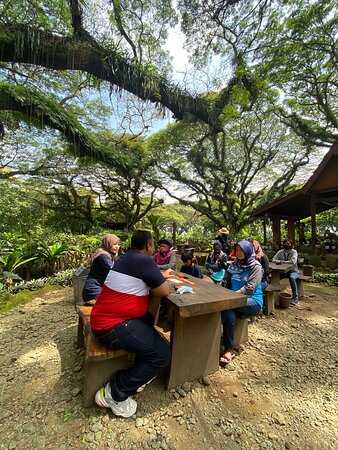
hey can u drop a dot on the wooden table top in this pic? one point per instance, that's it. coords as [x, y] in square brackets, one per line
[283, 267]
[207, 298]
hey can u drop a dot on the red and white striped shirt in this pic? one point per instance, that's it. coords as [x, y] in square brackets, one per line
[125, 293]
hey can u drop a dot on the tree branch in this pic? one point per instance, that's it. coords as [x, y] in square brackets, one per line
[43, 111]
[118, 20]
[24, 44]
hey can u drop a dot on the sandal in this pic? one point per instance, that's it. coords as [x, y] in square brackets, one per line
[224, 361]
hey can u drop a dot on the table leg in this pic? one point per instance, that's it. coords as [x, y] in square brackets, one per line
[195, 344]
[80, 336]
[275, 278]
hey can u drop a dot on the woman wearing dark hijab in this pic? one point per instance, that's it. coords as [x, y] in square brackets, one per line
[102, 262]
[245, 277]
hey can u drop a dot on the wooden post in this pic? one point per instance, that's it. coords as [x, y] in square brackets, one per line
[264, 230]
[313, 223]
[276, 235]
[301, 235]
[291, 229]
[79, 280]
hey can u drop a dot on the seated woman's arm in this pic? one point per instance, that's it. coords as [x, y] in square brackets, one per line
[254, 278]
[103, 264]
[211, 266]
[278, 256]
[227, 280]
[265, 265]
[99, 270]
[198, 272]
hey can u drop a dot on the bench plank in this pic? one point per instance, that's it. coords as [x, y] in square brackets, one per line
[100, 362]
[95, 351]
[302, 278]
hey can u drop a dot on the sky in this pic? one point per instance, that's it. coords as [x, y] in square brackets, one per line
[180, 64]
[179, 56]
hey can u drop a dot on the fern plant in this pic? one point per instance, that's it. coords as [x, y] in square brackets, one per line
[52, 253]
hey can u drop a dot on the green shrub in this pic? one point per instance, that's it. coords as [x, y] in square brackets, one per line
[60, 279]
[45, 252]
[314, 260]
[327, 278]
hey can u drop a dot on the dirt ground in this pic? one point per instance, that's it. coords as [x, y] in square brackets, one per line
[281, 392]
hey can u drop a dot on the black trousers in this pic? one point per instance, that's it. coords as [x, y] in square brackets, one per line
[152, 354]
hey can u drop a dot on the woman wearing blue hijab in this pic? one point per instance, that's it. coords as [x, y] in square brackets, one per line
[245, 277]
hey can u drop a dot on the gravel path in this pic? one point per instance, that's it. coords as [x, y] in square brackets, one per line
[281, 392]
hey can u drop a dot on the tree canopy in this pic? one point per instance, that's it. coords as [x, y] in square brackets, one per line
[246, 118]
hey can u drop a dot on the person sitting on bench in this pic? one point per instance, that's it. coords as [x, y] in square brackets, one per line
[215, 263]
[264, 260]
[245, 276]
[189, 266]
[102, 262]
[165, 256]
[120, 319]
[289, 255]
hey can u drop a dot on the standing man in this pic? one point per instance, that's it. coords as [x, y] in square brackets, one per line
[120, 319]
[222, 238]
[289, 254]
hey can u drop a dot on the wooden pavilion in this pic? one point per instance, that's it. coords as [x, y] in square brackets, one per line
[318, 194]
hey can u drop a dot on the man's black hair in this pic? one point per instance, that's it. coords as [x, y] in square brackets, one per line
[186, 257]
[287, 240]
[140, 239]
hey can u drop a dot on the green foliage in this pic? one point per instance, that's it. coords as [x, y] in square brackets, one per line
[12, 262]
[63, 278]
[43, 110]
[197, 236]
[305, 33]
[48, 14]
[229, 174]
[53, 252]
[330, 279]
[19, 210]
[50, 254]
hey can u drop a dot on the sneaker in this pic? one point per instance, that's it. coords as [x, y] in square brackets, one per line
[294, 302]
[126, 408]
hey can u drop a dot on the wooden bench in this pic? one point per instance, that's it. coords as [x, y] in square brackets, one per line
[241, 332]
[302, 278]
[79, 280]
[271, 294]
[99, 362]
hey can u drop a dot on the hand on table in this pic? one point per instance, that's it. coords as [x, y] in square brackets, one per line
[169, 273]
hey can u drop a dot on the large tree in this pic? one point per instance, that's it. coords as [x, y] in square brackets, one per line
[289, 46]
[57, 38]
[122, 43]
[224, 176]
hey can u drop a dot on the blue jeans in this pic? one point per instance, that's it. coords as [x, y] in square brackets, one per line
[293, 278]
[152, 353]
[229, 321]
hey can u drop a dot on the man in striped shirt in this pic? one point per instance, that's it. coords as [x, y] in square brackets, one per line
[120, 319]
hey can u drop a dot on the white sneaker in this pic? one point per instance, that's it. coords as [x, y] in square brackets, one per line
[126, 408]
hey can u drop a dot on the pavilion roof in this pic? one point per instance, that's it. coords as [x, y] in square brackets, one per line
[322, 185]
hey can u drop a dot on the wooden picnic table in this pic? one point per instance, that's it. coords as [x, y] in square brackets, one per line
[196, 332]
[277, 270]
